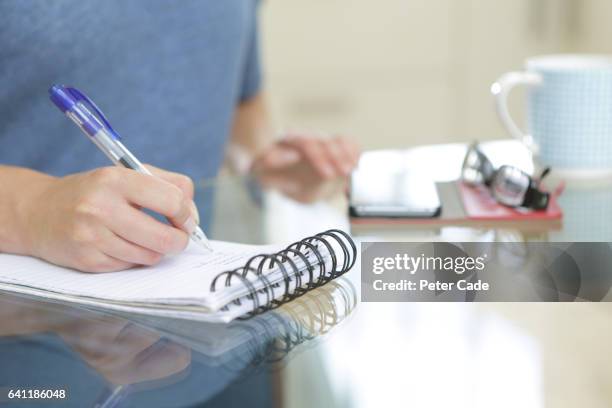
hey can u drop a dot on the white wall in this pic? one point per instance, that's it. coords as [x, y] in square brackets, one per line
[395, 73]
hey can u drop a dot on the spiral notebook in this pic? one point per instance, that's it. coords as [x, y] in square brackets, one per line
[236, 280]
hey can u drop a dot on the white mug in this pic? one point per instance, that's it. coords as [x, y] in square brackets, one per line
[569, 111]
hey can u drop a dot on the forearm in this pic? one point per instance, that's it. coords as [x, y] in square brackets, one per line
[251, 133]
[18, 187]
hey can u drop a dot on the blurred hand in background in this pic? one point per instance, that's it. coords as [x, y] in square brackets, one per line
[303, 165]
[307, 167]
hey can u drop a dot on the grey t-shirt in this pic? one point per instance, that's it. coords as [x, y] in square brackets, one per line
[168, 75]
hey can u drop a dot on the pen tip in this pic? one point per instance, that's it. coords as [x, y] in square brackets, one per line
[206, 246]
[199, 236]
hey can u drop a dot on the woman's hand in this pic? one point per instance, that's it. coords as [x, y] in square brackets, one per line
[93, 221]
[307, 168]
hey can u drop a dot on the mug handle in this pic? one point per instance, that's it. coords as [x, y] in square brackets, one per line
[500, 89]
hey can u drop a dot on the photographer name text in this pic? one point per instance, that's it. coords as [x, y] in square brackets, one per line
[453, 267]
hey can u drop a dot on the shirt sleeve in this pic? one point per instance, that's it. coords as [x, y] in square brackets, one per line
[252, 76]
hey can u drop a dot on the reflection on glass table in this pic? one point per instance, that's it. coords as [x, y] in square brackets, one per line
[107, 360]
[265, 338]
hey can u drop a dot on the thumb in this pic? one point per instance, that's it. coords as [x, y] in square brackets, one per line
[279, 157]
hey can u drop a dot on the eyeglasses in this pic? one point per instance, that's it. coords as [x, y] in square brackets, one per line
[509, 185]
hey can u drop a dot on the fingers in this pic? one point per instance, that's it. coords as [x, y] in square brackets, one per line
[160, 196]
[143, 230]
[162, 359]
[137, 355]
[277, 157]
[122, 250]
[95, 261]
[115, 359]
[340, 155]
[314, 152]
[349, 149]
[333, 157]
[180, 180]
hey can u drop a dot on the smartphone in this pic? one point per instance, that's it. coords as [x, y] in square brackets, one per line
[393, 194]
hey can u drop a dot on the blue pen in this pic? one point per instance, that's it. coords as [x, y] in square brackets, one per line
[86, 115]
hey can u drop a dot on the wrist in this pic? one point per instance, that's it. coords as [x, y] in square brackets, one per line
[239, 159]
[19, 214]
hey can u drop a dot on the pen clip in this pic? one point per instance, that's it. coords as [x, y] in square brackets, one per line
[81, 97]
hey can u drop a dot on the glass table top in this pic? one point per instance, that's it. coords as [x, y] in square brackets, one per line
[328, 349]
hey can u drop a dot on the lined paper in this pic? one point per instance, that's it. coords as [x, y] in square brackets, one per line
[179, 280]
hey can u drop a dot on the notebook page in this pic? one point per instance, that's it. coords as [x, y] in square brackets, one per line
[195, 313]
[182, 278]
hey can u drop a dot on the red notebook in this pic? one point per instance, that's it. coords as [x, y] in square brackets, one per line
[480, 205]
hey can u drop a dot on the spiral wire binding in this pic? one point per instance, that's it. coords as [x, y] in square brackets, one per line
[275, 335]
[315, 252]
